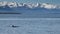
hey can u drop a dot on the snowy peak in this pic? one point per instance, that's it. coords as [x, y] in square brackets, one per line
[48, 6]
[9, 4]
[12, 4]
[28, 5]
[3, 3]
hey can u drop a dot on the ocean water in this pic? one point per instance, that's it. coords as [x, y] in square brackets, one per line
[30, 26]
[29, 21]
[30, 13]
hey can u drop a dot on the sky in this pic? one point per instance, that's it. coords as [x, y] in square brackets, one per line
[35, 1]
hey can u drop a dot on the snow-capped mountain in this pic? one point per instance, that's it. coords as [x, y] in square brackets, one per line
[29, 5]
[48, 6]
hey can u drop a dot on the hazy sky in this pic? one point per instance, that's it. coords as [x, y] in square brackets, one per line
[35, 1]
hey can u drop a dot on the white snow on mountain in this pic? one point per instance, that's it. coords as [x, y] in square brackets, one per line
[20, 4]
[12, 4]
[3, 3]
[29, 5]
[48, 6]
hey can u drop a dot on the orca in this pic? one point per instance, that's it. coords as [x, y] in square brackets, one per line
[14, 26]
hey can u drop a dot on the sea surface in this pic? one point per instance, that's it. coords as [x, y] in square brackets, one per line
[30, 21]
[30, 26]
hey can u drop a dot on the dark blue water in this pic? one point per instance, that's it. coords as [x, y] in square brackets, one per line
[30, 13]
[30, 21]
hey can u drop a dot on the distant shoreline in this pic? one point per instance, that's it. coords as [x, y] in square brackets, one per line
[8, 13]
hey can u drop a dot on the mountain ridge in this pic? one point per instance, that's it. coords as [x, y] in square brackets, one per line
[28, 5]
